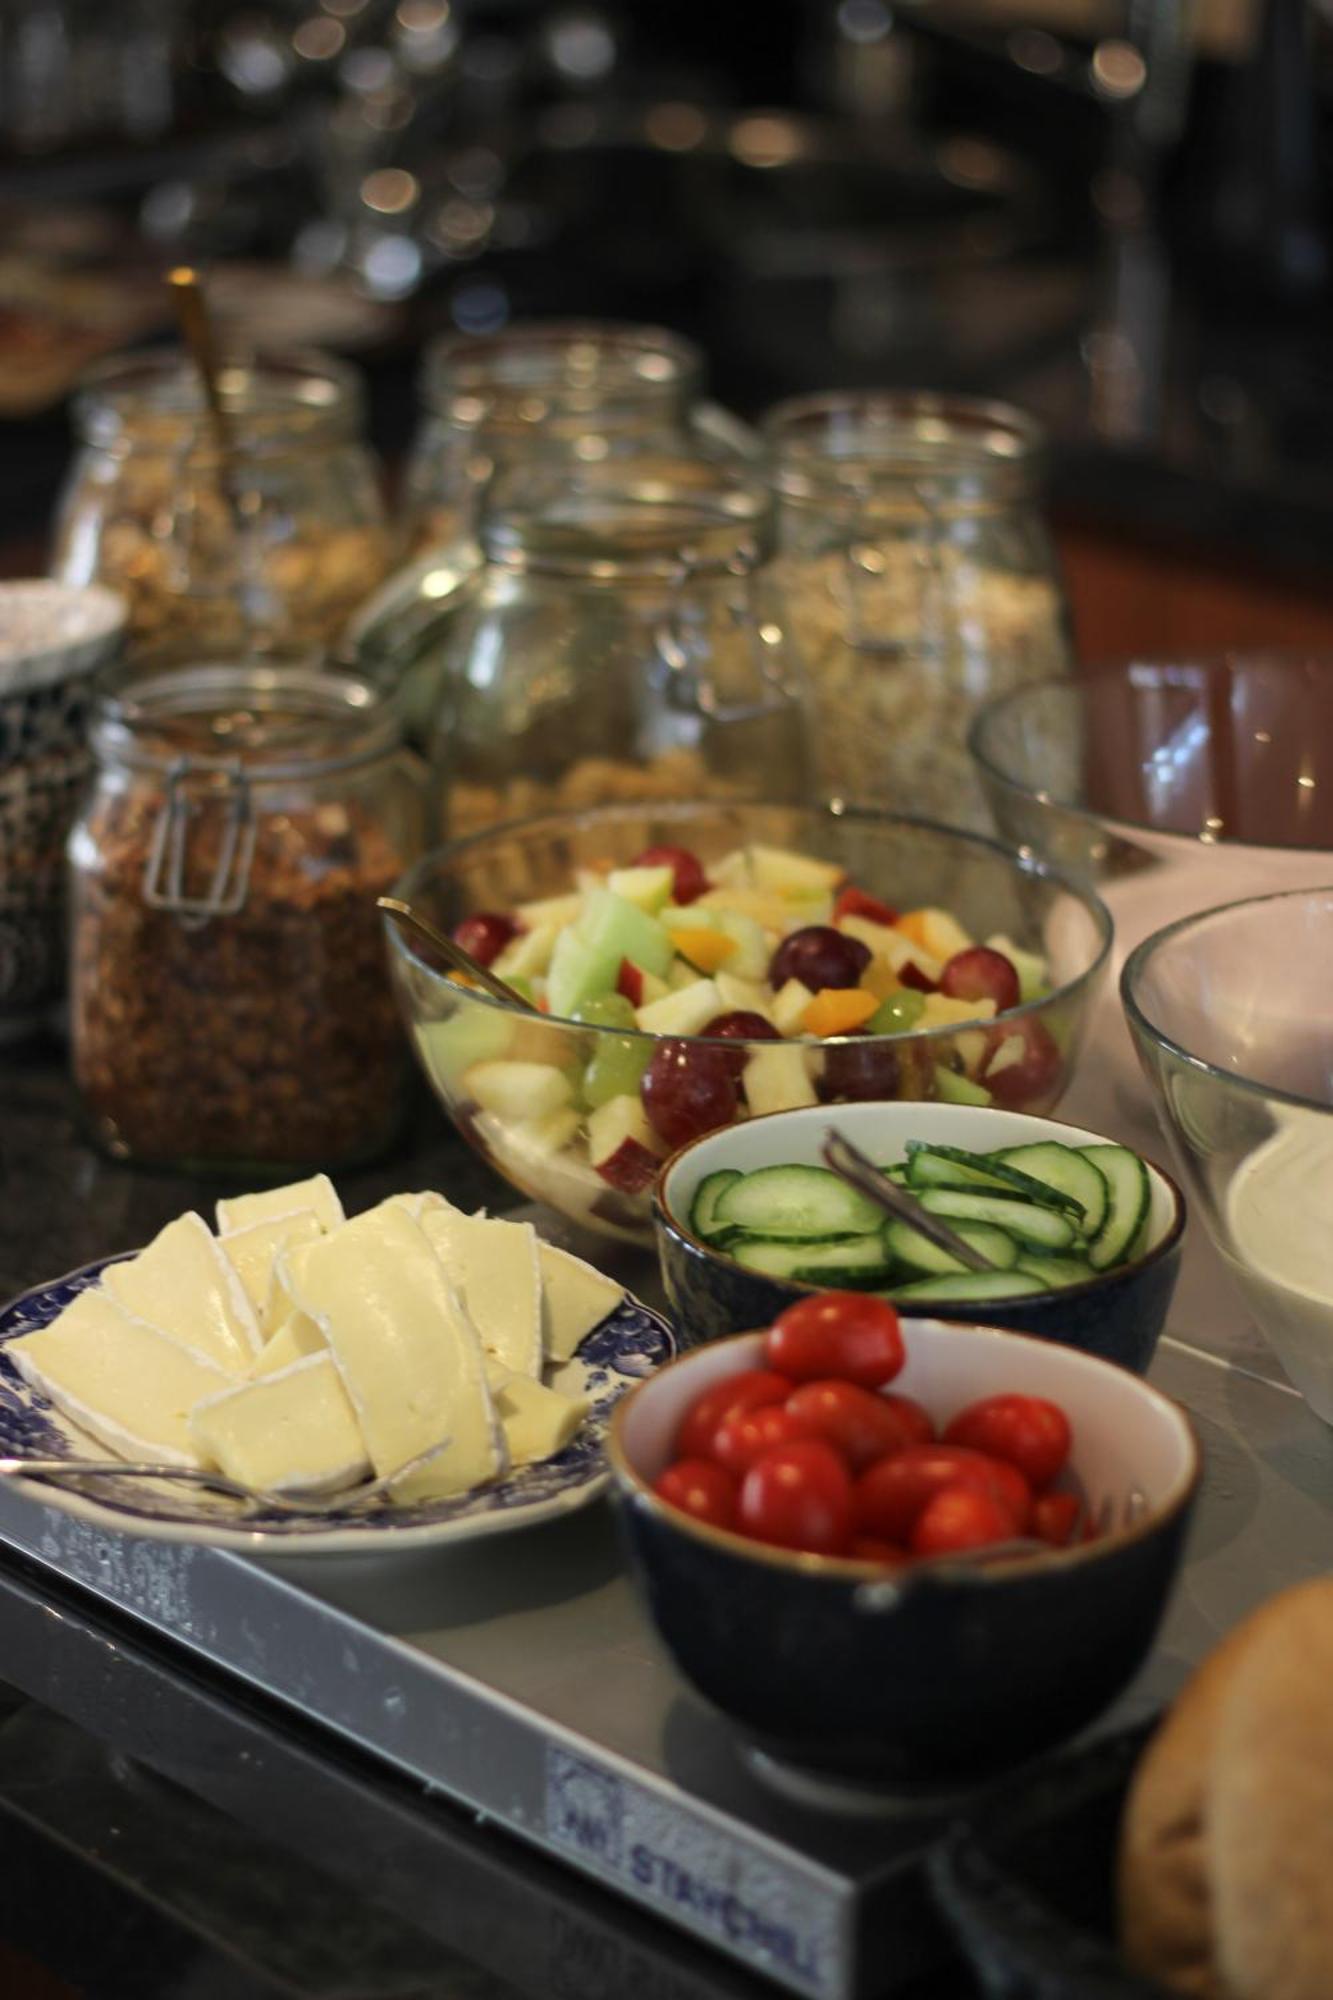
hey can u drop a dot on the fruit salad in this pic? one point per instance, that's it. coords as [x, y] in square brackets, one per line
[759, 982]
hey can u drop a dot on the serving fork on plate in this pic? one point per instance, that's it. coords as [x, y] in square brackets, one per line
[359, 1500]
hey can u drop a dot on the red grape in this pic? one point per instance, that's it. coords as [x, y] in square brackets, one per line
[981, 974]
[687, 1090]
[857, 1072]
[686, 868]
[1033, 1077]
[485, 935]
[819, 956]
[740, 1026]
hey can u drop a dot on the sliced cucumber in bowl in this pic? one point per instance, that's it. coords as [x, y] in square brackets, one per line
[1070, 1172]
[969, 1287]
[809, 1204]
[856, 1263]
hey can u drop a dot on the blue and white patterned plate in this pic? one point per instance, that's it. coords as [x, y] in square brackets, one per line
[630, 1343]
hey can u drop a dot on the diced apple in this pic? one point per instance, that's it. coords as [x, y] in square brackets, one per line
[549, 1134]
[557, 910]
[647, 888]
[1013, 1049]
[528, 955]
[683, 1012]
[1032, 969]
[788, 1006]
[908, 951]
[705, 946]
[941, 934]
[732, 871]
[472, 1035]
[622, 1145]
[518, 1090]
[744, 996]
[640, 988]
[681, 974]
[775, 913]
[792, 876]
[540, 1041]
[880, 940]
[776, 1078]
[588, 956]
[941, 1010]
[971, 1045]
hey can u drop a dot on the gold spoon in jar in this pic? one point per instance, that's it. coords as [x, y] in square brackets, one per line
[409, 919]
[197, 332]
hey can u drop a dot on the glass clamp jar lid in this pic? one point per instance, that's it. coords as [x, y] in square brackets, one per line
[230, 1001]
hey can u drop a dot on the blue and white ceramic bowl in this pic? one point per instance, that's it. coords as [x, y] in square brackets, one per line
[630, 1344]
[1118, 1316]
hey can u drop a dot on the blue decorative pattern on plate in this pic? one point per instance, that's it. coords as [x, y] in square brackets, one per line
[630, 1342]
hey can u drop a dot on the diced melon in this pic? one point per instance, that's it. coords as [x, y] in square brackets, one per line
[587, 957]
[474, 1034]
[647, 888]
[954, 1089]
[776, 1078]
[683, 1012]
[792, 876]
[518, 1090]
[788, 1007]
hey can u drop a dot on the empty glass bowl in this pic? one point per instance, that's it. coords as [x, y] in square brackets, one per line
[1229, 1011]
[1173, 784]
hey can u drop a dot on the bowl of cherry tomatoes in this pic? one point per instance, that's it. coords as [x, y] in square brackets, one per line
[902, 1551]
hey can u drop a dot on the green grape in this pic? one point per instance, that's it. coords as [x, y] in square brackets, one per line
[616, 1068]
[605, 1010]
[897, 1014]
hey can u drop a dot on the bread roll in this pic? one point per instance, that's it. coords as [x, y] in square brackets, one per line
[1226, 1858]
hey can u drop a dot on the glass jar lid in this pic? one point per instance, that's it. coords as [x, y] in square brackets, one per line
[634, 519]
[562, 372]
[277, 403]
[888, 445]
[268, 723]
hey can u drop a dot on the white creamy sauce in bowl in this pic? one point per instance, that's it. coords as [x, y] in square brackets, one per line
[1279, 1217]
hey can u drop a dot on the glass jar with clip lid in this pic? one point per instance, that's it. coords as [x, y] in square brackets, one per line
[230, 1006]
[621, 645]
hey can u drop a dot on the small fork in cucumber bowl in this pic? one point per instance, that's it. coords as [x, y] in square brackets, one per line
[1080, 1237]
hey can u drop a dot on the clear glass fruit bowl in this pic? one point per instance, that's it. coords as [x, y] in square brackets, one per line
[581, 1114]
[1229, 1012]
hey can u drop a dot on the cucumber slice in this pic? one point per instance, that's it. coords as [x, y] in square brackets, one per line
[953, 1167]
[918, 1254]
[1038, 1228]
[1130, 1194]
[969, 1287]
[1069, 1172]
[855, 1261]
[796, 1203]
[703, 1214]
[1057, 1271]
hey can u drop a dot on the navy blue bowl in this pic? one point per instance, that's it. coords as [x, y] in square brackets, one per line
[937, 1674]
[1118, 1316]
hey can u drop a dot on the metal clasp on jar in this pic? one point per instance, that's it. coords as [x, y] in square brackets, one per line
[167, 870]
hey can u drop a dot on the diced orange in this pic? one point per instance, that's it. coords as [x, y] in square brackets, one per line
[838, 1010]
[707, 949]
[912, 924]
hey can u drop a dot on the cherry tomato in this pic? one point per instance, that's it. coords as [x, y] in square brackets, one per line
[700, 1488]
[844, 1334]
[1054, 1518]
[960, 1517]
[870, 1549]
[1025, 1431]
[688, 878]
[798, 1496]
[749, 1390]
[892, 1493]
[854, 902]
[1033, 1075]
[912, 1416]
[747, 1434]
[856, 1422]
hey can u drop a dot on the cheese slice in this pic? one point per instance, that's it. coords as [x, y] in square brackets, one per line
[294, 1340]
[251, 1251]
[426, 1202]
[537, 1421]
[293, 1431]
[408, 1354]
[317, 1194]
[127, 1383]
[497, 1270]
[184, 1283]
[575, 1299]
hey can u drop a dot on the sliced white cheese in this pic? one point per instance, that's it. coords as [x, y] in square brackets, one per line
[252, 1250]
[497, 1270]
[538, 1422]
[127, 1383]
[575, 1299]
[293, 1431]
[418, 1205]
[317, 1194]
[296, 1338]
[185, 1284]
[408, 1354]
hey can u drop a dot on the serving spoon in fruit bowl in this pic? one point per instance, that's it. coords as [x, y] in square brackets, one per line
[452, 952]
[853, 1166]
